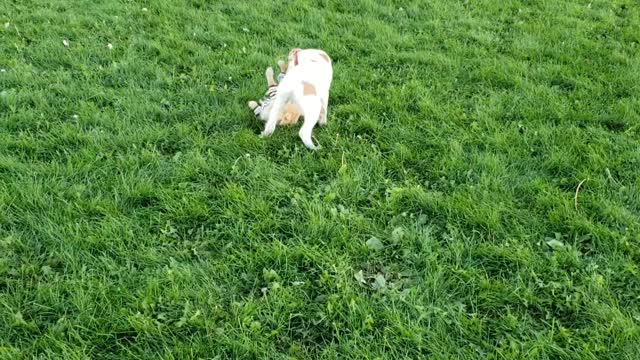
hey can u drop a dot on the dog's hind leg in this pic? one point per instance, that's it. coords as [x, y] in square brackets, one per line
[311, 107]
[324, 111]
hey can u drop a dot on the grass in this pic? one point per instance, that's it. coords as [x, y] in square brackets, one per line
[142, 217]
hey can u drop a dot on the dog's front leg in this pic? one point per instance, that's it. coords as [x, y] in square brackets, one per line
[274, 116]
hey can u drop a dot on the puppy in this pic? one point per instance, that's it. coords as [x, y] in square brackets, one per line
[262, 107]
[306, 84]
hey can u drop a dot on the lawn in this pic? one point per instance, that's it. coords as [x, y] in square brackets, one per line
[477, 194]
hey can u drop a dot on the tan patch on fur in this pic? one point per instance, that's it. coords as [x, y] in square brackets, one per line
[325, 57]
[308, 89]
[290, 115]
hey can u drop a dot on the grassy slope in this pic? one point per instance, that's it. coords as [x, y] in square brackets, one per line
[156, 220]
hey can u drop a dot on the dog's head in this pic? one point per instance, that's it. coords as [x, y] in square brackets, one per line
[261, 108]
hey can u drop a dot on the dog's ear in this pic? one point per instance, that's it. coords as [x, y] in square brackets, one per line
[290, 116]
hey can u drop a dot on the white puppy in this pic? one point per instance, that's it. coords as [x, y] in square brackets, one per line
[306, 84]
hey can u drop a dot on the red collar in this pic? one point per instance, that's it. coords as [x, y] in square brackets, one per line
[295, 58]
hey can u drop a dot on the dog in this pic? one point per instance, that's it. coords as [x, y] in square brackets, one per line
[309, 74]
[262, 107]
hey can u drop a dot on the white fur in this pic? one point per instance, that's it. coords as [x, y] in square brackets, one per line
[313, 69]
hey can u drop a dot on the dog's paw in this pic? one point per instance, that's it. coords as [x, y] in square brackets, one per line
[266, 132]
[313, 147]
[308, 143]
[252, 104]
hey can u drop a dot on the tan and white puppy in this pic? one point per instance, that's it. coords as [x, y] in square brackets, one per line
[306, 84]
[262, 107]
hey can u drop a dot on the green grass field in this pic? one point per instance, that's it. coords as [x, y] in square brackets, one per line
[141, 216]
